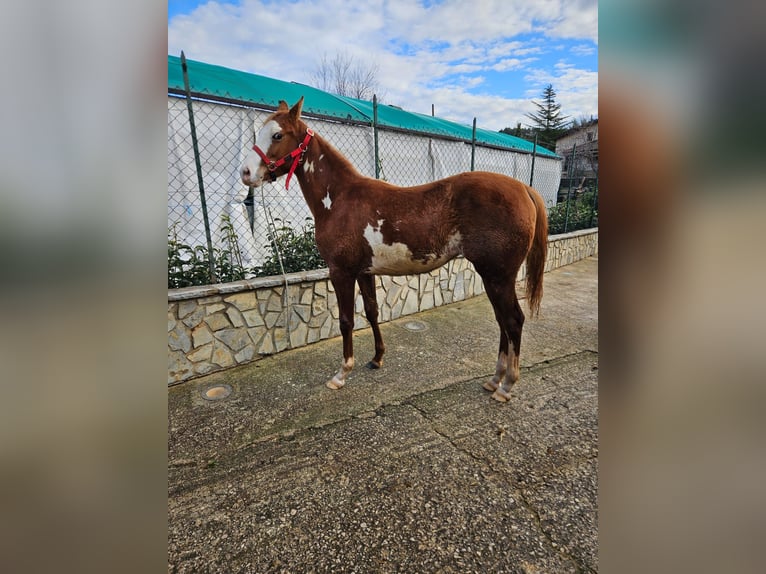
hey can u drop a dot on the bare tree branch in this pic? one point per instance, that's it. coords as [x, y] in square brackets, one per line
[346, 76]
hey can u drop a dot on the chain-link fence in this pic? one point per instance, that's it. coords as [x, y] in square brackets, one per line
[243, 221]
[577, 202]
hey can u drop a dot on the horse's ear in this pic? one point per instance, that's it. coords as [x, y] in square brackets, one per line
[282, 106]
[295, 111]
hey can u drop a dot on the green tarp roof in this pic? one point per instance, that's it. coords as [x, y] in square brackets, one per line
[217, 82]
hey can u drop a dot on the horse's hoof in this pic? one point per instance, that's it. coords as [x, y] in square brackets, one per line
[501, 396]
[374, 365]
[490, 386]
[335, 384]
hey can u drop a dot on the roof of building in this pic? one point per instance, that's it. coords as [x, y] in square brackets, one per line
[580, 128]
[219, 83]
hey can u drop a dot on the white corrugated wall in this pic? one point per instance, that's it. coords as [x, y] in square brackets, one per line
[225, 136]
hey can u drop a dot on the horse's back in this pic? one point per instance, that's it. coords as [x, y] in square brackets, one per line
[492, 197]
[481, 180]
[496, 215]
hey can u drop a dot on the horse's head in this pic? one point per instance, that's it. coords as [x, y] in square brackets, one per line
[278, 146]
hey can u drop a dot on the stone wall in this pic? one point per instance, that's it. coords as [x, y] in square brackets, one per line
[215, 327]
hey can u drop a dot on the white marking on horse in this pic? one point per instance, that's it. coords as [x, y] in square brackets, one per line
[253, 162]
[503, 390]
[373, 235]
[340, 377]
[500, 369]
[263, 138]
[327, 201]
[397, 258]
[309, 167]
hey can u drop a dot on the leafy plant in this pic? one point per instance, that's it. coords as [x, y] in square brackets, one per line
[188, 266]
[297, 248]
[230, 237]
[578, 212]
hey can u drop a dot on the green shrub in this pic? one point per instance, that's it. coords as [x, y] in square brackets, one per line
[582, 213]
[188, 266]
[297, 248]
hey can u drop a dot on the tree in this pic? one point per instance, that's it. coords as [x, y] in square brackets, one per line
[520, 132]
[548, 121]
[346, 76]
[584, 121]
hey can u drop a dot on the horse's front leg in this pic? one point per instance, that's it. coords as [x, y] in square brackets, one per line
[344, 292]
[367, 288]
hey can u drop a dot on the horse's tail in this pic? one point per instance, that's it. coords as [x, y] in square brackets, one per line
[537, 254]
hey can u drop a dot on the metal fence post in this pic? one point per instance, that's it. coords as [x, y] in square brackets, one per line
[473, 144]
[195, 145]
[375, 134]
[570, 173]
[593, 204]
[534, 155]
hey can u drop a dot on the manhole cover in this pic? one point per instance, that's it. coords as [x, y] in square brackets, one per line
[217, 392]
[415, 326]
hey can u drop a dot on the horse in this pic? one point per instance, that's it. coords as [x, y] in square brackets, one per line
[366, 227]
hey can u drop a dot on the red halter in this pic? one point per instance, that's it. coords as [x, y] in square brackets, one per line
[272, 165]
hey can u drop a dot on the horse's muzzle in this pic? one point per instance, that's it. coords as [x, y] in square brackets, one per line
[248, 178]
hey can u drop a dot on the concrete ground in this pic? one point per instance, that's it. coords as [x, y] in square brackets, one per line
[410, 468]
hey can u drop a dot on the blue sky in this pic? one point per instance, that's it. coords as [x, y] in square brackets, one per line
[483, 58]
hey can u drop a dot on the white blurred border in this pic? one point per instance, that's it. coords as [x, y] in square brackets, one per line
[82, 226]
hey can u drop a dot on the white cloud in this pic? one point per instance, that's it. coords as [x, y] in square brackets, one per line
[582, 50]
[578, 19]
[510, 64]
[424, 54]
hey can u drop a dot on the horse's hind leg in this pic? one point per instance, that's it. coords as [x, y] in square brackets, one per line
[510, 318]
[367, 288]
[502, 363]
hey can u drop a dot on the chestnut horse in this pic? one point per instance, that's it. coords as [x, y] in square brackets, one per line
[367, 227]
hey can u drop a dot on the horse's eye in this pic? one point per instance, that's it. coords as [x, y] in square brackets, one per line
[277, 137]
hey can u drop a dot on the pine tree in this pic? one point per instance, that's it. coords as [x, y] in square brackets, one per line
[548, 121]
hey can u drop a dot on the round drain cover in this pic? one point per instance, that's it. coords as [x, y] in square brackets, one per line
[415, 326]
[217, 392]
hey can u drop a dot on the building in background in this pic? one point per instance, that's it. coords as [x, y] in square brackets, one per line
[579, 148]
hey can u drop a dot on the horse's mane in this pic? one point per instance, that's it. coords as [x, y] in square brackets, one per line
[338, 158]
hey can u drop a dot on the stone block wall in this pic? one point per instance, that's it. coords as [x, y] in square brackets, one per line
[215, 327]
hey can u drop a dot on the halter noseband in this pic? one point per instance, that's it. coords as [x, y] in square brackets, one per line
[272, 165]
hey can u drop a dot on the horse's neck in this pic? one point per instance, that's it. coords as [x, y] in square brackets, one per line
[323, 174]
